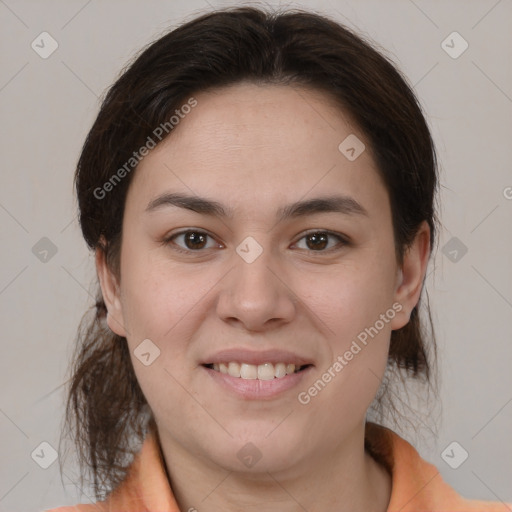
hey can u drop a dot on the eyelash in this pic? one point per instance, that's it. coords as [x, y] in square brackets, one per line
[343, 240]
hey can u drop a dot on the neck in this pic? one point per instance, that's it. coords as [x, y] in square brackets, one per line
[346, 478]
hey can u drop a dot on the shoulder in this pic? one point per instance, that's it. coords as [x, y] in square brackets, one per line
[483, 506]
[96, 507]
[417, 485]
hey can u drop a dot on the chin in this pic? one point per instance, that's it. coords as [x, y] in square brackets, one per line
[266, 448]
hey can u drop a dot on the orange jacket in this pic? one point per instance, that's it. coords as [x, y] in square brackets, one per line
[417, 486]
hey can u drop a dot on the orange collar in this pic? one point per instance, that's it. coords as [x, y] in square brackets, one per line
[417, 485]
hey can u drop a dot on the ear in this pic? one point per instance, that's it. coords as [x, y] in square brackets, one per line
[111, 294]
[411, 275]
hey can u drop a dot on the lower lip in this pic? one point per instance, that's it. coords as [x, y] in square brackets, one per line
[255, 389]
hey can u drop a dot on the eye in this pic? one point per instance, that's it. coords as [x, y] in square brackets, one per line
[317, 241]
[193, 240]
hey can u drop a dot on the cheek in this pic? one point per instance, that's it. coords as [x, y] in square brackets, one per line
[353, 304]
[158, 297]
[356, 348]
[163, 304]
[349, 297]
[164, 301]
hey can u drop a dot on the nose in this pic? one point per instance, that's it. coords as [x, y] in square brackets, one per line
[256, 296]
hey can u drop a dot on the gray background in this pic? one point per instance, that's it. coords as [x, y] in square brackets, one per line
[47, 107]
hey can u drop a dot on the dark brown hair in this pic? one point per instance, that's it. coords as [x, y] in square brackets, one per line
[107, 413]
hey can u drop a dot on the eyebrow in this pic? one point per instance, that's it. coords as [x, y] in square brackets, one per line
[338, 204]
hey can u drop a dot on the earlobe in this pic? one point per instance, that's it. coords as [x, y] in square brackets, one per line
[111, 296]
[411, 275]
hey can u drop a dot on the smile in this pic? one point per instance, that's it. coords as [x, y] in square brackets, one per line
[265, 371]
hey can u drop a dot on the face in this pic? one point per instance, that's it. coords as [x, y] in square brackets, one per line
[267, 277]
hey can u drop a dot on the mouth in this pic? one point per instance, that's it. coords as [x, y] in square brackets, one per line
[264, 372]
[256, 375]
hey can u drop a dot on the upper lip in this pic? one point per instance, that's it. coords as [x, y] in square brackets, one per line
[256, 357]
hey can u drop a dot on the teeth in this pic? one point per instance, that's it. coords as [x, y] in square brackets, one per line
[280, 370]
[248, 371]
[234, 369]
[265, 371]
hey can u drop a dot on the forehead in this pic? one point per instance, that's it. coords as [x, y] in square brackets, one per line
[269, 115]
[250, 143]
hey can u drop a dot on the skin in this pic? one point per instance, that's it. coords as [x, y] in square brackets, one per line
[254, 149]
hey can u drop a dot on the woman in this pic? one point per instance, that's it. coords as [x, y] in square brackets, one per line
[259, 190]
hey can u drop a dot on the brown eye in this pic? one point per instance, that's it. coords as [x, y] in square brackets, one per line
[318, 241]
[194, 240]
[190, 240]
